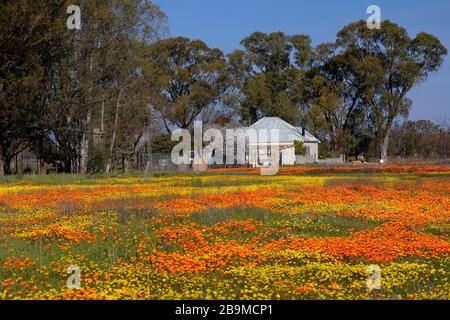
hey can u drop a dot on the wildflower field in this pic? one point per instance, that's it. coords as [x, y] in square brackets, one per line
[306, 233]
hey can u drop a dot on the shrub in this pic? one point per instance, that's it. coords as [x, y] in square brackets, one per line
[97, 158]
[300, 149]
[163, 144]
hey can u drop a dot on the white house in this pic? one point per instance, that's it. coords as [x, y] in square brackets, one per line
[288, 134]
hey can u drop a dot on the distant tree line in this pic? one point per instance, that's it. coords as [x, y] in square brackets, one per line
[421, 139]
[85, 100]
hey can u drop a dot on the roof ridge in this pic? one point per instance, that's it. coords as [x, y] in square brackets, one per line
[289, 130]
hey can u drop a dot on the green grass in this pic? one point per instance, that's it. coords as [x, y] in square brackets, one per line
[306, 225]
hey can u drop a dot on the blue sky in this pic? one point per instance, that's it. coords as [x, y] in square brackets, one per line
[223, 23]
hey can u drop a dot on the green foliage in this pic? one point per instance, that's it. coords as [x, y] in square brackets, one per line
[422, 139]
[188, 76]
[31, 46]
[64, 84]
[299, 148]
[97, 159]
[53, 81]
[325, 155]
[387, 64]
[268, 80]
[163, 144]
[359, 84]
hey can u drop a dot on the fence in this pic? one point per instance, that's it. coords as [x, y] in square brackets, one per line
[158, 162]
[304, 159]
[27, 163]
[332, 161]
[312, 160]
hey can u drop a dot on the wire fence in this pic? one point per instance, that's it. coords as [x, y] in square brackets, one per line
[29, 163]
[158, 162]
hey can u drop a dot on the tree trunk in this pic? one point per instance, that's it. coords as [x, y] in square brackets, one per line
[6, 166]
[84, 152]
[68, 166]
[42, 165]
[384, 144]
[102, 119]
[2, 171]
[85, 145]
[113, 136]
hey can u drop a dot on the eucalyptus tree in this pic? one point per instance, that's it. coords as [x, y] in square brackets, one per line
[267, 75]
[334, 95]
[98, 78]
[31, 43]
[388, 64]
[187, 76]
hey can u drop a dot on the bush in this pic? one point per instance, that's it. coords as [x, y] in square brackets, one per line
[325, 155]
[163, 144]
[97, 158]
[300, 149]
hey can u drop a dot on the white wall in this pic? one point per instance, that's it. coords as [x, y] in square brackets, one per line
[313, 151]
[288, 156]
[312, 154]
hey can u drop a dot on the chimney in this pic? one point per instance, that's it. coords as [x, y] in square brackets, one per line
[303, 127]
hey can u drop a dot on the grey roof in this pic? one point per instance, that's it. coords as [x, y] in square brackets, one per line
[308, 137]
[287, 132]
